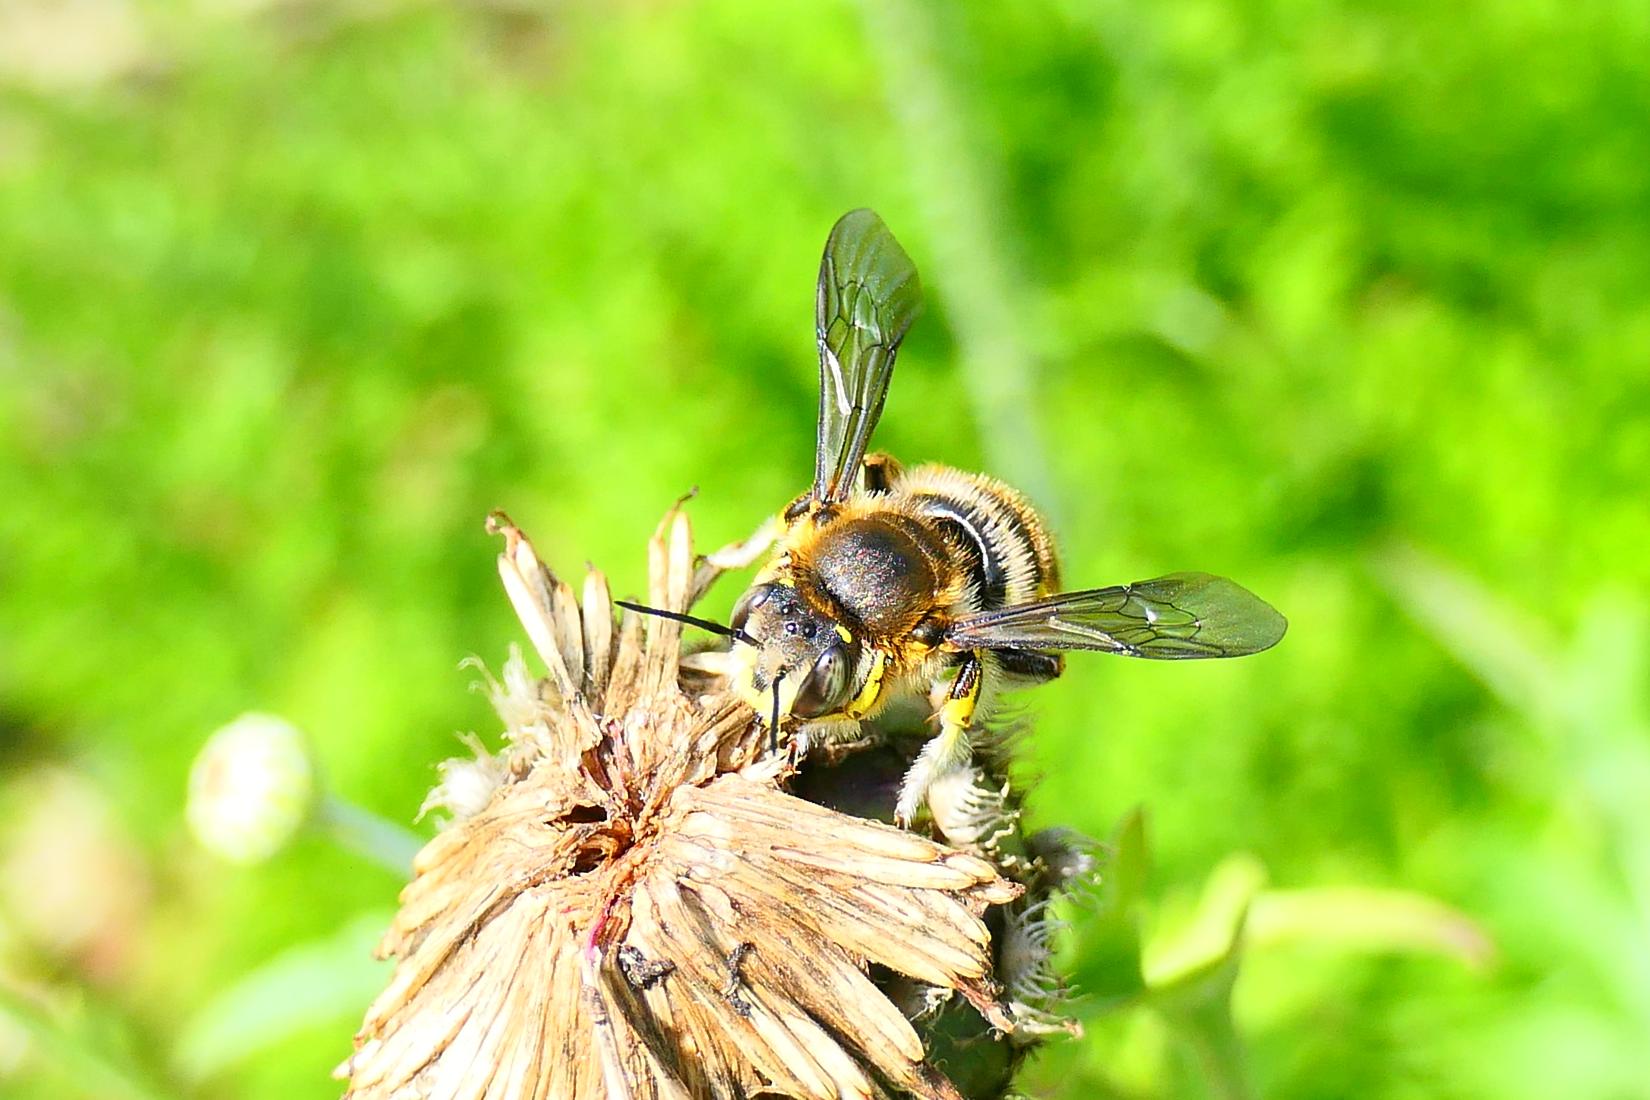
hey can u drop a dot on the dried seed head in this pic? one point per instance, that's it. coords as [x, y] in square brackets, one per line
[977, 815]
[637, 908]
[1025, 960]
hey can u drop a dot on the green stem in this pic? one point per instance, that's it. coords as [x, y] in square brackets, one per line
[1220, 1054]
[367, 835]
[87, 1068]
[974, 275]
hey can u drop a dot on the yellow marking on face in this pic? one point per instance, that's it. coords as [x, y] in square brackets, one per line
[872, 690]
[743, 676]
[842, 632]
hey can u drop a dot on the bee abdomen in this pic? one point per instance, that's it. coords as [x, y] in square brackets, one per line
[1005, 548]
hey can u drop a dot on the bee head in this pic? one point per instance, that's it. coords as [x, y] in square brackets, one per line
[810, 655]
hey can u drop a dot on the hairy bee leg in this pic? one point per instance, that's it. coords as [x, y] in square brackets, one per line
[881, 471]
[735, 555]
[829, 740]
[832, 741]
[950, 749]
[1026, 667]
[711, 662]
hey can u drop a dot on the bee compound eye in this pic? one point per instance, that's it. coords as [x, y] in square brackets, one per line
[826, 685]
[749, 602]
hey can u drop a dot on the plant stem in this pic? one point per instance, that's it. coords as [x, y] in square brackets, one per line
[1220, 1053]
[367, 835]
[960, 198]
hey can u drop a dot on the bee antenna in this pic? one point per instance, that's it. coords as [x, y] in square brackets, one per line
[773, 727]
[691, 620]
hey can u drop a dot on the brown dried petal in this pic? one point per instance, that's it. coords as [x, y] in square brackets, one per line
[643, 912]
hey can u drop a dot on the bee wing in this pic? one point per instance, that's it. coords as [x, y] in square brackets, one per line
[1182, 615]
[868, 297]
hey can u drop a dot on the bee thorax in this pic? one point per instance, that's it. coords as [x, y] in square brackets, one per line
[879, 569]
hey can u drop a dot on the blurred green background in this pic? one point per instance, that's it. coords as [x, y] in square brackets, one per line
[1347, 301]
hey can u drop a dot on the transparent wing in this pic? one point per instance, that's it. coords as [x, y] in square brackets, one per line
[1182, 615]
[868, 297]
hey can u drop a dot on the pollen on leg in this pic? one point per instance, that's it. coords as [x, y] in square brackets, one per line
[949, 752]
[945, 754]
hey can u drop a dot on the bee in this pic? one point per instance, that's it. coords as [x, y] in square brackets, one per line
[887, 583]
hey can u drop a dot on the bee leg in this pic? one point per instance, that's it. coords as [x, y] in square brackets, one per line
[948, 750]
[1024, 667]
[711, 662]
[735, 555]
[834, 740]
[881, 471]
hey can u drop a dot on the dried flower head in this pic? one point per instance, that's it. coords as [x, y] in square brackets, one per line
[627, 903]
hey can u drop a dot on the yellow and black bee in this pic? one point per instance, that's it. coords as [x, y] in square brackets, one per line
[887, 582]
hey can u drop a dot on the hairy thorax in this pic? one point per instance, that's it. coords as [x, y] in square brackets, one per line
[884, 571]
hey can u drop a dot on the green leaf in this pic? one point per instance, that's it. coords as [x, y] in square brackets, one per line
[1198, 1008]
[1367, 919]
[1213, 932]
[322, 980]
[1190, 974]
[1107, 969]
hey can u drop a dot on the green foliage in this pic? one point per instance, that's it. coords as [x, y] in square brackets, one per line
[1343, 301]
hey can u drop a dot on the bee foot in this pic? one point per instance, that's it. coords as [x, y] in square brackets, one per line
[738, 555]
[796, 751]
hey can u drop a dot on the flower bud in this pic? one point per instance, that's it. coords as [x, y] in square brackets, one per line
[250, 788]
